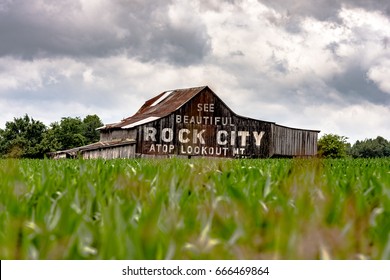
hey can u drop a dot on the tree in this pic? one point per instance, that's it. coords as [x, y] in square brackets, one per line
[50, 142]
[26, 137]
[371, 148]
[72, 132]
[22, 137]
[90, 124]
[332, 146]
[2, 142]
[68, 133]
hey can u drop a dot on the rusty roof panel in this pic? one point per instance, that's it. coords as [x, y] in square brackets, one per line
[160, 106]
[97, 145]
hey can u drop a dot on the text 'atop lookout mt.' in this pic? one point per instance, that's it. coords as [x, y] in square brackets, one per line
[194, 138]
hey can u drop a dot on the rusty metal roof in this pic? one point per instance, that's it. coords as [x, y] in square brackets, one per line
[94, 146]
[157, 107]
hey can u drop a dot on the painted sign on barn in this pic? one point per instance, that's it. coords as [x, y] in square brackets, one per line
[205, 126]
[195, 122]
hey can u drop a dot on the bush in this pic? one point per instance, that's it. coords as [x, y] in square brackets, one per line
[332, 146]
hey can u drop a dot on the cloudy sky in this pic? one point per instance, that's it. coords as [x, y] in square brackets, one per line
[316, 64]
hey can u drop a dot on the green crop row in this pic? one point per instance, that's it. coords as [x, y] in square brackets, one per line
[195, 209]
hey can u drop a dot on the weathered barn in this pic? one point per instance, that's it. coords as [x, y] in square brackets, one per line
[195, 122]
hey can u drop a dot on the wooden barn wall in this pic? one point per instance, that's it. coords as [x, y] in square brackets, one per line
[293, 142]
[205, 127]
[256, 130]
[117, 134]
[125, 151]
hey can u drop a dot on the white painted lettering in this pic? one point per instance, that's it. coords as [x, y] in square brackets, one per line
[225, 150]
[208, 151]
[222, 134]
[181, 135]
[258, 136]
[196, 150]
[238, 151]
[233, 138]
[198, 136]
[150, 133]
[208, 107]
[243, 135]
[166, 135]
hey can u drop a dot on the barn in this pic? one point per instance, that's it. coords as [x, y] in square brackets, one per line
[195, 122]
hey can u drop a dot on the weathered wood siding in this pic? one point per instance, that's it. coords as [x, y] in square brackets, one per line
[159, 146]
[252, 126]
[125, 151]
[117, 134]
[293, 142]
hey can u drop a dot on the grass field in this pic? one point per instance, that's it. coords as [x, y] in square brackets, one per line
[195, 209]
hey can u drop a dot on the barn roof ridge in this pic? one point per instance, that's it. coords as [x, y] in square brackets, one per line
[168, 102]
[159, 106]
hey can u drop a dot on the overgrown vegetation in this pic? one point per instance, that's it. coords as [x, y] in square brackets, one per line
[332, 146]
[195, 209]
[28, 138]
[371, 148]
[336, 146]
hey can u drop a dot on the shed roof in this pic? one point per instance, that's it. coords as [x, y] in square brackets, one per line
[94, 146]
[159, 106]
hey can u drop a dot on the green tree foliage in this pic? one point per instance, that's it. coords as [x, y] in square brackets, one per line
[22, 138]
[50, 142]
[332, 146]
[27, 138]
[90, 123]
[73, 132]
[371, 148]
[70, 133]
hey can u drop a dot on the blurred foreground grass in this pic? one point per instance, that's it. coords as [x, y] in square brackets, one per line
[195, 209]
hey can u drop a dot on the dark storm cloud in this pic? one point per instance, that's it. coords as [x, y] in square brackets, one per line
[356, 87]
[142, 29]
[319, 9]
[325, 9]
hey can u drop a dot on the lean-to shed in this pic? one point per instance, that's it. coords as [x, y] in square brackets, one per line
[195, 122]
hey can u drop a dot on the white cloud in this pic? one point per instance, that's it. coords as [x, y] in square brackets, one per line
[357, 122]
[15, 74]
[380, 75]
